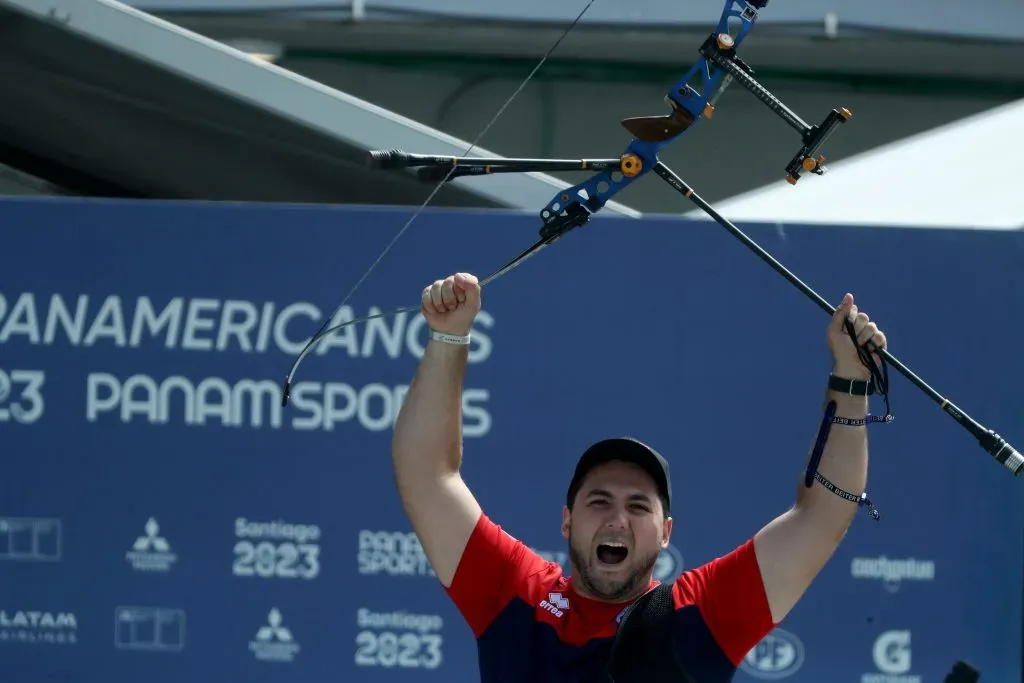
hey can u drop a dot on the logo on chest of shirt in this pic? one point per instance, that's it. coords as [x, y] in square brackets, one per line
[556, 603]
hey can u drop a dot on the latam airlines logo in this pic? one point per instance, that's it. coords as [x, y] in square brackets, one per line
[779, 655]
[38, 627]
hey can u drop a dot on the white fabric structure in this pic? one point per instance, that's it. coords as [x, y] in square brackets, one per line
[967, 174]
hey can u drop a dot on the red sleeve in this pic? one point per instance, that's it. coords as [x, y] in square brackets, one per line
[494, 569]
[729, 592]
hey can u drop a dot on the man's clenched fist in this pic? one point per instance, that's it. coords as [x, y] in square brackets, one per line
[450, 305]
[845, 359]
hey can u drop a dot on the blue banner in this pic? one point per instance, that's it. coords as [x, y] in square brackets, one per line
[163, 519]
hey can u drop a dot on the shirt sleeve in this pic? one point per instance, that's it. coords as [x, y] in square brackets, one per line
[730, 594]
[494, 569]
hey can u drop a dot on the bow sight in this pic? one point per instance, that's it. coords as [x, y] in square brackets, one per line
[716, 69]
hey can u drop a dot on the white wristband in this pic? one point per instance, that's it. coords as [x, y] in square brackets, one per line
[461, 340]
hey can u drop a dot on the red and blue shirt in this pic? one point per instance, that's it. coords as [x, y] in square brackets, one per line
[530, 625]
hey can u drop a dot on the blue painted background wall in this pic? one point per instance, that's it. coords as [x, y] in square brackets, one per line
[110, 314]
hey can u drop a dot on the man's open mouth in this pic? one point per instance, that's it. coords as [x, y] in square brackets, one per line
[612, 552]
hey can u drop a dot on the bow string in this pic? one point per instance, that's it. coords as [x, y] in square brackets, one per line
[325, 330]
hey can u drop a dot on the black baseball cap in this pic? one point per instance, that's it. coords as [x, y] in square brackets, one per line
[625, 449]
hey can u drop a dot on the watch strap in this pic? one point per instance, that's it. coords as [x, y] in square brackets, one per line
[853, 387]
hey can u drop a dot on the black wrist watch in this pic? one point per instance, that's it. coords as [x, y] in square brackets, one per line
[853, 387]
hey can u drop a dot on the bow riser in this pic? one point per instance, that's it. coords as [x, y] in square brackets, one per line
[651, 134]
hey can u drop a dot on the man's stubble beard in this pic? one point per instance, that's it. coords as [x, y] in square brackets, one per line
[612, 591]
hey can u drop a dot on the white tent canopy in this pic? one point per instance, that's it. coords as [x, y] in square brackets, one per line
[967, 174]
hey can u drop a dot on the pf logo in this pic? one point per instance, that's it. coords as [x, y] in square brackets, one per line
[779, 655]
[892, 652]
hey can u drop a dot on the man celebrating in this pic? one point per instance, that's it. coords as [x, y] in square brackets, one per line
[535, 625]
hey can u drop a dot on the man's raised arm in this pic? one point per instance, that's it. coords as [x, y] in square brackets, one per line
[793, 548]
[427, 444]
